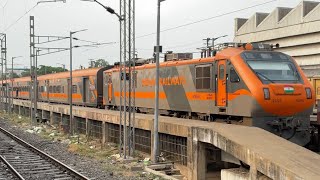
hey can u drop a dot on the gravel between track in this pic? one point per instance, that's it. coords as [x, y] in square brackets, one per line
[88, 167]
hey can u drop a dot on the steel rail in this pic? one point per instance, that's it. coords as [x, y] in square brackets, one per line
[12, 169]
[46, 156]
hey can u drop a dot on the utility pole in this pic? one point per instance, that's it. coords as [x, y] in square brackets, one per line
[127, 50]
[158, 48]
[71, 83]
[35, 85]
[32, 60]
[126, 70]
[11, 101]
[11, 104]
[92, 63]
[207, 51]
[70, 88]
[7, 94]
[3, 39]
[34, 54]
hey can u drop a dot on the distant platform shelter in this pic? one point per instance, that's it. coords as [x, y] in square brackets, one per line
[296, 30]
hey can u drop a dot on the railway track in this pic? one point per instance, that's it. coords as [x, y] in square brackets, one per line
[21, 160]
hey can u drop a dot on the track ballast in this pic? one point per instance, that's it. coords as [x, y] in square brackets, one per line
[21, 160]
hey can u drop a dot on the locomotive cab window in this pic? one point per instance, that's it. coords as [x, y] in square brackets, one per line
[234, 76]
[203, 77]
[272, 67]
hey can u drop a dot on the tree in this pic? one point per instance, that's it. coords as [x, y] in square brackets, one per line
[9, 75]
[42, 70]
[98, 63]
[15, 75]
[25, 73]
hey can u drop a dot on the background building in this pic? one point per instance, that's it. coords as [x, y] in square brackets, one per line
[296, 30]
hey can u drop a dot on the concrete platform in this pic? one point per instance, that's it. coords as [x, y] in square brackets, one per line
[266, 153]
[263, 151]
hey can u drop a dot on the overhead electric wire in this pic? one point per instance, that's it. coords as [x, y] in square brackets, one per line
[184, 45]
[86, 41]
[202, 20]
[105, 44]
[93, 42]
[164, 30]
[206, 19]
[5, 4]
[6, 29]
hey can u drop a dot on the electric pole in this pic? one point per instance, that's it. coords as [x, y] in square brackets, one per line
[3, 39]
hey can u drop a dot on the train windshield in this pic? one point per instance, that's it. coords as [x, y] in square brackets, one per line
[272, 67]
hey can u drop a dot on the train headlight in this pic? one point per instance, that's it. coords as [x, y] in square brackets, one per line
[266, 93]
[308, 93]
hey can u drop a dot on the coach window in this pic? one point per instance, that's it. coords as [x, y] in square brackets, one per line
[50, 89]
[62, 89]
[74, 89]
[234, 76]
[58, 89]
[203, 77]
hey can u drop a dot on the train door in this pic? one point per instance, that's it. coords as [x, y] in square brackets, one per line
[222, 84]
[86, 89]
[109, 87]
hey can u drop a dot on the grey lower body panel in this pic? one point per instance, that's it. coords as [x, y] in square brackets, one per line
[294, 128]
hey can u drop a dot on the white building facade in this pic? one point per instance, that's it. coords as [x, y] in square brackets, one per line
[296, 30]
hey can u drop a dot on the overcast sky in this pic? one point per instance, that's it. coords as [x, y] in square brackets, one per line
[60, 18]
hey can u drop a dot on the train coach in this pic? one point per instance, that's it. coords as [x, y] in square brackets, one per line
[20, 88]
[248, 85]
[87, 87]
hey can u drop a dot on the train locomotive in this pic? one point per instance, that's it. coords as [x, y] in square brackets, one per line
[247, 85]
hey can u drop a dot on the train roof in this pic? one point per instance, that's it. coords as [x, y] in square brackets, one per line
[75, 73]
[224, 54]
[22, 79]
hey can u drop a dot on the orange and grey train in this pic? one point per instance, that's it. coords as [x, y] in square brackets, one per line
[87, 87]
[246, 85]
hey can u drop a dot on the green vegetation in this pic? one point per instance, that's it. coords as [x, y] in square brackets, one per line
[42, 70]
[98, 63]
